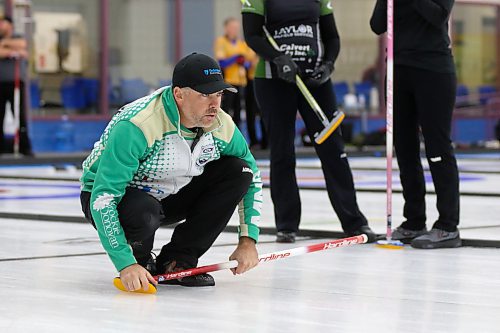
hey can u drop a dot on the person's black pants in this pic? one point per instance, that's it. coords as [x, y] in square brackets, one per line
[425, 100]
[206, 204]
[252, 110]
[279, 102]
[231, 103]
[7, 94]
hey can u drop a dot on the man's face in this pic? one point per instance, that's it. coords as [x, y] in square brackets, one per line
[232, 29]
[197, 109]
[5, 28]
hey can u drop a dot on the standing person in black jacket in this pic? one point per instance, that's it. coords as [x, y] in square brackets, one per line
[13, 48]
[424, 98]
[306, 33]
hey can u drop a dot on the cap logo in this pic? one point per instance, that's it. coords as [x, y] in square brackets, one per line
[212, 71]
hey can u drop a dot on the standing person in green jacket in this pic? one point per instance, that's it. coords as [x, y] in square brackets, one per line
[309, 43]
[171, 156]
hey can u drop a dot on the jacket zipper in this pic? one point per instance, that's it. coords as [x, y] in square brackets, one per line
[199, 133]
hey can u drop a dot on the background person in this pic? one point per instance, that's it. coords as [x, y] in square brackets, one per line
[424, 99]
[230, 51]
[13, 48]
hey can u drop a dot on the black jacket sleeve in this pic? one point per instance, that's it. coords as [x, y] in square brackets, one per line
[330, 37]
[255, 37]
[378, 21]
[436, 12]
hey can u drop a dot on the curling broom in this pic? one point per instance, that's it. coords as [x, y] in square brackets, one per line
[273, 256]
[388, 243]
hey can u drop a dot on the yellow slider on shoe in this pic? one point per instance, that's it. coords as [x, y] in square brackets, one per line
[119, 285]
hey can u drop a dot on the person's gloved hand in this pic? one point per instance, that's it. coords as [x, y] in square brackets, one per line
[240, 60]
[286, 68]
[320, 75]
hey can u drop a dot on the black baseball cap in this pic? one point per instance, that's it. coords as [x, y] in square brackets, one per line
[201, 73]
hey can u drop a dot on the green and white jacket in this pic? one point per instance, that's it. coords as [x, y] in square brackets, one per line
[144, 146]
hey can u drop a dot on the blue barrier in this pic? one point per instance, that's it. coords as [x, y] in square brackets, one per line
[65, 136]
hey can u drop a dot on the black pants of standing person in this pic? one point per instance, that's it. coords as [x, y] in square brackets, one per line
[206, 204]
[231, 103]
[425, 100]
[279, 102]
[252, 110]
[7, 95]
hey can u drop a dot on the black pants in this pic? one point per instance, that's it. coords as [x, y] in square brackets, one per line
[279, 102]
[7, 94]
[231, 103]
[425, 100]
[206, 204]
[252, 110]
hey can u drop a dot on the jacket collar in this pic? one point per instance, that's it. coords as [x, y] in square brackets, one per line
[173, 115]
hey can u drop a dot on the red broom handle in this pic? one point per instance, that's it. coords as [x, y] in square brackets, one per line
[266, 257]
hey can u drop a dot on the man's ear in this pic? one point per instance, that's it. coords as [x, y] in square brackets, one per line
[178, 94]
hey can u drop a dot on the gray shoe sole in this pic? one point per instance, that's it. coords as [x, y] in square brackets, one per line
[191, 281]
[405, 240]
[285, 239]
[447, 244]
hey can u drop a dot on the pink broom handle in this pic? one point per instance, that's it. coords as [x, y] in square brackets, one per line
[389, 111]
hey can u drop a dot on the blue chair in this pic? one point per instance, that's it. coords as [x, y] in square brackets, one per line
[485, 93]
[73, 93]
[114, 94]
[132, 89]
[91, 89]
[363, 89]
[35, 95]
[340, 89]
[462, 90]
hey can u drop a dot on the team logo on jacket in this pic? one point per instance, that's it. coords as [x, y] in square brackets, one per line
[297, 50]
[302, 30]
[205, 155]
